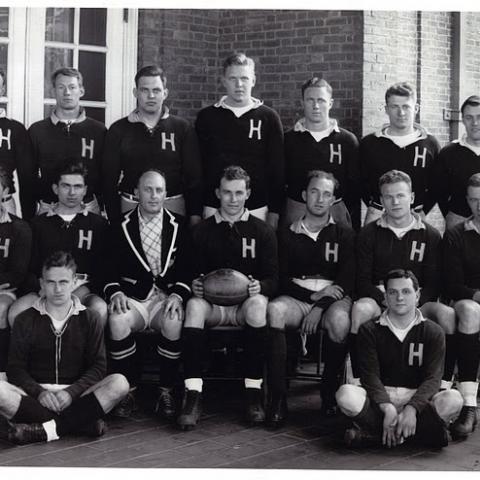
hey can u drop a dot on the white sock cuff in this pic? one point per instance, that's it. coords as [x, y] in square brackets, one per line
[51, 429]
[469, 393]
[446, 385]
[194, 384]
[253, 383]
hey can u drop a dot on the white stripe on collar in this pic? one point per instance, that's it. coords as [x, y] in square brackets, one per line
[418, 224]
[221, 103]
[81, 117]
[77, 306]
[299, 227]
[469, 225]
[219, 219]
[52, 211]
[3, 113]
[300, 126]
[423, 132]
[134, 117]
[5, 216]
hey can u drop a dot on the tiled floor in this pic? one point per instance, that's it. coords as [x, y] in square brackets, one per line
[223, 440]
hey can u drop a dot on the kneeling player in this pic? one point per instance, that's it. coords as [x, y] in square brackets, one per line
[230, 238]
[69, 226]
[317, 272]
[57, 364]
[400, 370]
[148, 283]
[462, 282]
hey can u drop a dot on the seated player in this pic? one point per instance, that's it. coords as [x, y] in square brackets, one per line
[71, 227]
[56, 366]
[400, 370]
[15, 246]
[231, 238]
[462, 285]
[317, 276]
[399, 239]
[149, 277]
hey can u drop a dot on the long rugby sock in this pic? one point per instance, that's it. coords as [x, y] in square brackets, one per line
[31, 411]
[334, 360]
[194, 344]
[468, 356]
[123, 358]
[352, 348]
[83, 411]
[277, 361]
[4, 341]
[169, 357]
[255, 346]
[450, 357]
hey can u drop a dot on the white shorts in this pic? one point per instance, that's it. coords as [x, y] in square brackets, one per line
[150, 307]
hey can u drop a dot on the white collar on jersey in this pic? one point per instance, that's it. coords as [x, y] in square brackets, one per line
[300, 126]
[134, 117]
[469, 225]
[463, 142]
[219, 219]
[221, 103]
[3, 113]
[77, 306]
[423, 132]
[299, 227]
[4, 216]
[81, 117]
[418, 224]
[52, 210]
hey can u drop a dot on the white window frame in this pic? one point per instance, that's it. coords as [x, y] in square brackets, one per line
[120, 65]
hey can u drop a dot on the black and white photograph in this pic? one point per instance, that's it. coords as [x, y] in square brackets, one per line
[239, 238]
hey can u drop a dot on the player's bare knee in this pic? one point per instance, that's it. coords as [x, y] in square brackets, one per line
[255, 309]
[277, 314]
[99, 307]
[118, 385]
[349, 399]
[337, 324]
[196, 312]
[5, 303]
[171, 327]
[363, 310]
[119, 325]
[448, 404]
[468, 315]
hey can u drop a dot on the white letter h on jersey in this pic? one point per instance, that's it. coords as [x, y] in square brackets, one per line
[255, 129]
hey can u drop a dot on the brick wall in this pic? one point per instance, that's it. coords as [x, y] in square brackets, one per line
[472, 57]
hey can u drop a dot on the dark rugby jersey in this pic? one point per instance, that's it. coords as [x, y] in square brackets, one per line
[15, 249]
[254, 142]
[337, 153]
[456, 164]
[85, 237]
[379, 250]
[331, 256]
[16, 154]
[171, 146]
[461, 260]
[415, 363]
[379, 154]
[248, 245]
[54, 141]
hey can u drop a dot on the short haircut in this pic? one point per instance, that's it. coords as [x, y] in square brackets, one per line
[474, 180]
[394, 176]
[238, 59]
[150, 170]
[67, 72]
[472, 101]
[401, 273]
[71, 167]
[151, 71]
[318, 83]
[234, 172]
[5, 179]
[60, 259]
[402, 89]
[321, 174]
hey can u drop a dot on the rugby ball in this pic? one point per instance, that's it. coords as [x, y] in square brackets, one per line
[225, 287]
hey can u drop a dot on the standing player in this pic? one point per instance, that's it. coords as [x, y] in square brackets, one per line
[152, 138]
[235, 239]
[148, 284]
[400, 370]
[399, 239]
[457, 162]
[16, 155]
[15, 246]
[67, 134]
[69, 226]
[403, 145]
[56, 367]
[462, 285]
[317, 276]
[241, 130]
[318, 143]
